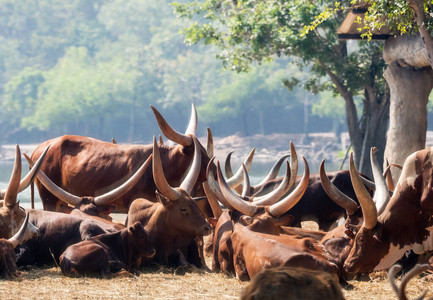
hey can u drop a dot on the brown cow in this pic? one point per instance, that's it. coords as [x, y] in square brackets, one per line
[8, 266]
[175, 220]
[292, 283]
[405, 222]
[85, 166]
[98, 208]
[107, 254]
[11, 215]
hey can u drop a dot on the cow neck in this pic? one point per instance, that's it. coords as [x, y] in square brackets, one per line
[180, 162]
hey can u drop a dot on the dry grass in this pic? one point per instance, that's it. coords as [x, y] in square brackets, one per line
[49, 283]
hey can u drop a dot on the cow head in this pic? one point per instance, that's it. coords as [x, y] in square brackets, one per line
[368, 248]
[11, 214]
[95, 206]
[178, 203]
[8, 267]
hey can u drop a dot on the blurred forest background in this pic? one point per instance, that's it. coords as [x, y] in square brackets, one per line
[93, 67]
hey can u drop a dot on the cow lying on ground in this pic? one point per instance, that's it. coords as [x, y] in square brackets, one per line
[107, 254]
[175, 220]
[8, 266]
[292, 283]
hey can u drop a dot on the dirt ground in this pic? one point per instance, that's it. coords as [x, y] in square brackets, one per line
[49, 283]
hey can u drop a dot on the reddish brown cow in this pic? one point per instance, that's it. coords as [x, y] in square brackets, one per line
[292, 283]
[107, 254]
[8, 266]
[175, 220]
[85, 166]
[405, 222]
[11, 214]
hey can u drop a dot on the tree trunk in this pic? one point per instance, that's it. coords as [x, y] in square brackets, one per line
[410, 89]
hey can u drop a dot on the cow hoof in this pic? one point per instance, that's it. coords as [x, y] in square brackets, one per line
[181, 270]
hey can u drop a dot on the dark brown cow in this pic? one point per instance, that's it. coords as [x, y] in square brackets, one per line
[8, 266]
[175, 220]
[85, 166]
[107, 254]
[405, 222]
[57, 231]
[315, 205]
[292, 283]
[11, 215]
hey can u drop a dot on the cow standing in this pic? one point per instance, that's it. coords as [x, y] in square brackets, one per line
[107, 254]
[85, 166]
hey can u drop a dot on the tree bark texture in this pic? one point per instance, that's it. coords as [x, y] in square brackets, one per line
[409, 88]
[407, 50]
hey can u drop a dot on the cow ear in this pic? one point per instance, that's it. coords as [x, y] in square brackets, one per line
[66, 208]
[212, 221]
[107, 209]
[15, 208]
[246, 220]
[377, 233]
[285, 220]
[131, 230]
[165, 201]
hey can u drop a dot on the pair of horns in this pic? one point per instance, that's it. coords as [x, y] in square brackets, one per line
[173, 135]
[189, 181]
[232, 201]
[99, 200]
[16, 185]
[371, 207]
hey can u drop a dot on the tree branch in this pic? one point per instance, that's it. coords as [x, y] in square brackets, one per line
[418, 10]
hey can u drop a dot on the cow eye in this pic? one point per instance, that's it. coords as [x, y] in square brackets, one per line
[183, 209]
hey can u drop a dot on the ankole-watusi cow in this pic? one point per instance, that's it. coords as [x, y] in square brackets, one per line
[107, 254]
[405, 222]
[315, 205]
[247, 249]
[11, 214]
[175, 220]
[85, 166]
[292, 283]
[98, 208]
[8, 266]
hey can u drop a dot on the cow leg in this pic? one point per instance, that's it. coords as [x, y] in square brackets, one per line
[200, 246]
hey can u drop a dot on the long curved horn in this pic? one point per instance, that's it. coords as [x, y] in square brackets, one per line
[288, 202]
[53, 188]
[214, 187]
[335, 194]
[211, 198]
[227, 166]
[246, 186]
[18, 237]
[192, 125]
[109, 197]
[28, 179]
[417, 269]
[293, 163]
[236, 179]
[190, 179]
[368, 207]
[158, 175]
[239, 204]
[388, 176]
[381, 195]
[279, 192]
[170, 133]
[14, 182]
[273, 172]
[209, 145]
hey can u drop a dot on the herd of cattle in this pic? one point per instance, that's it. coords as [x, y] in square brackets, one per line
[181, 208]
